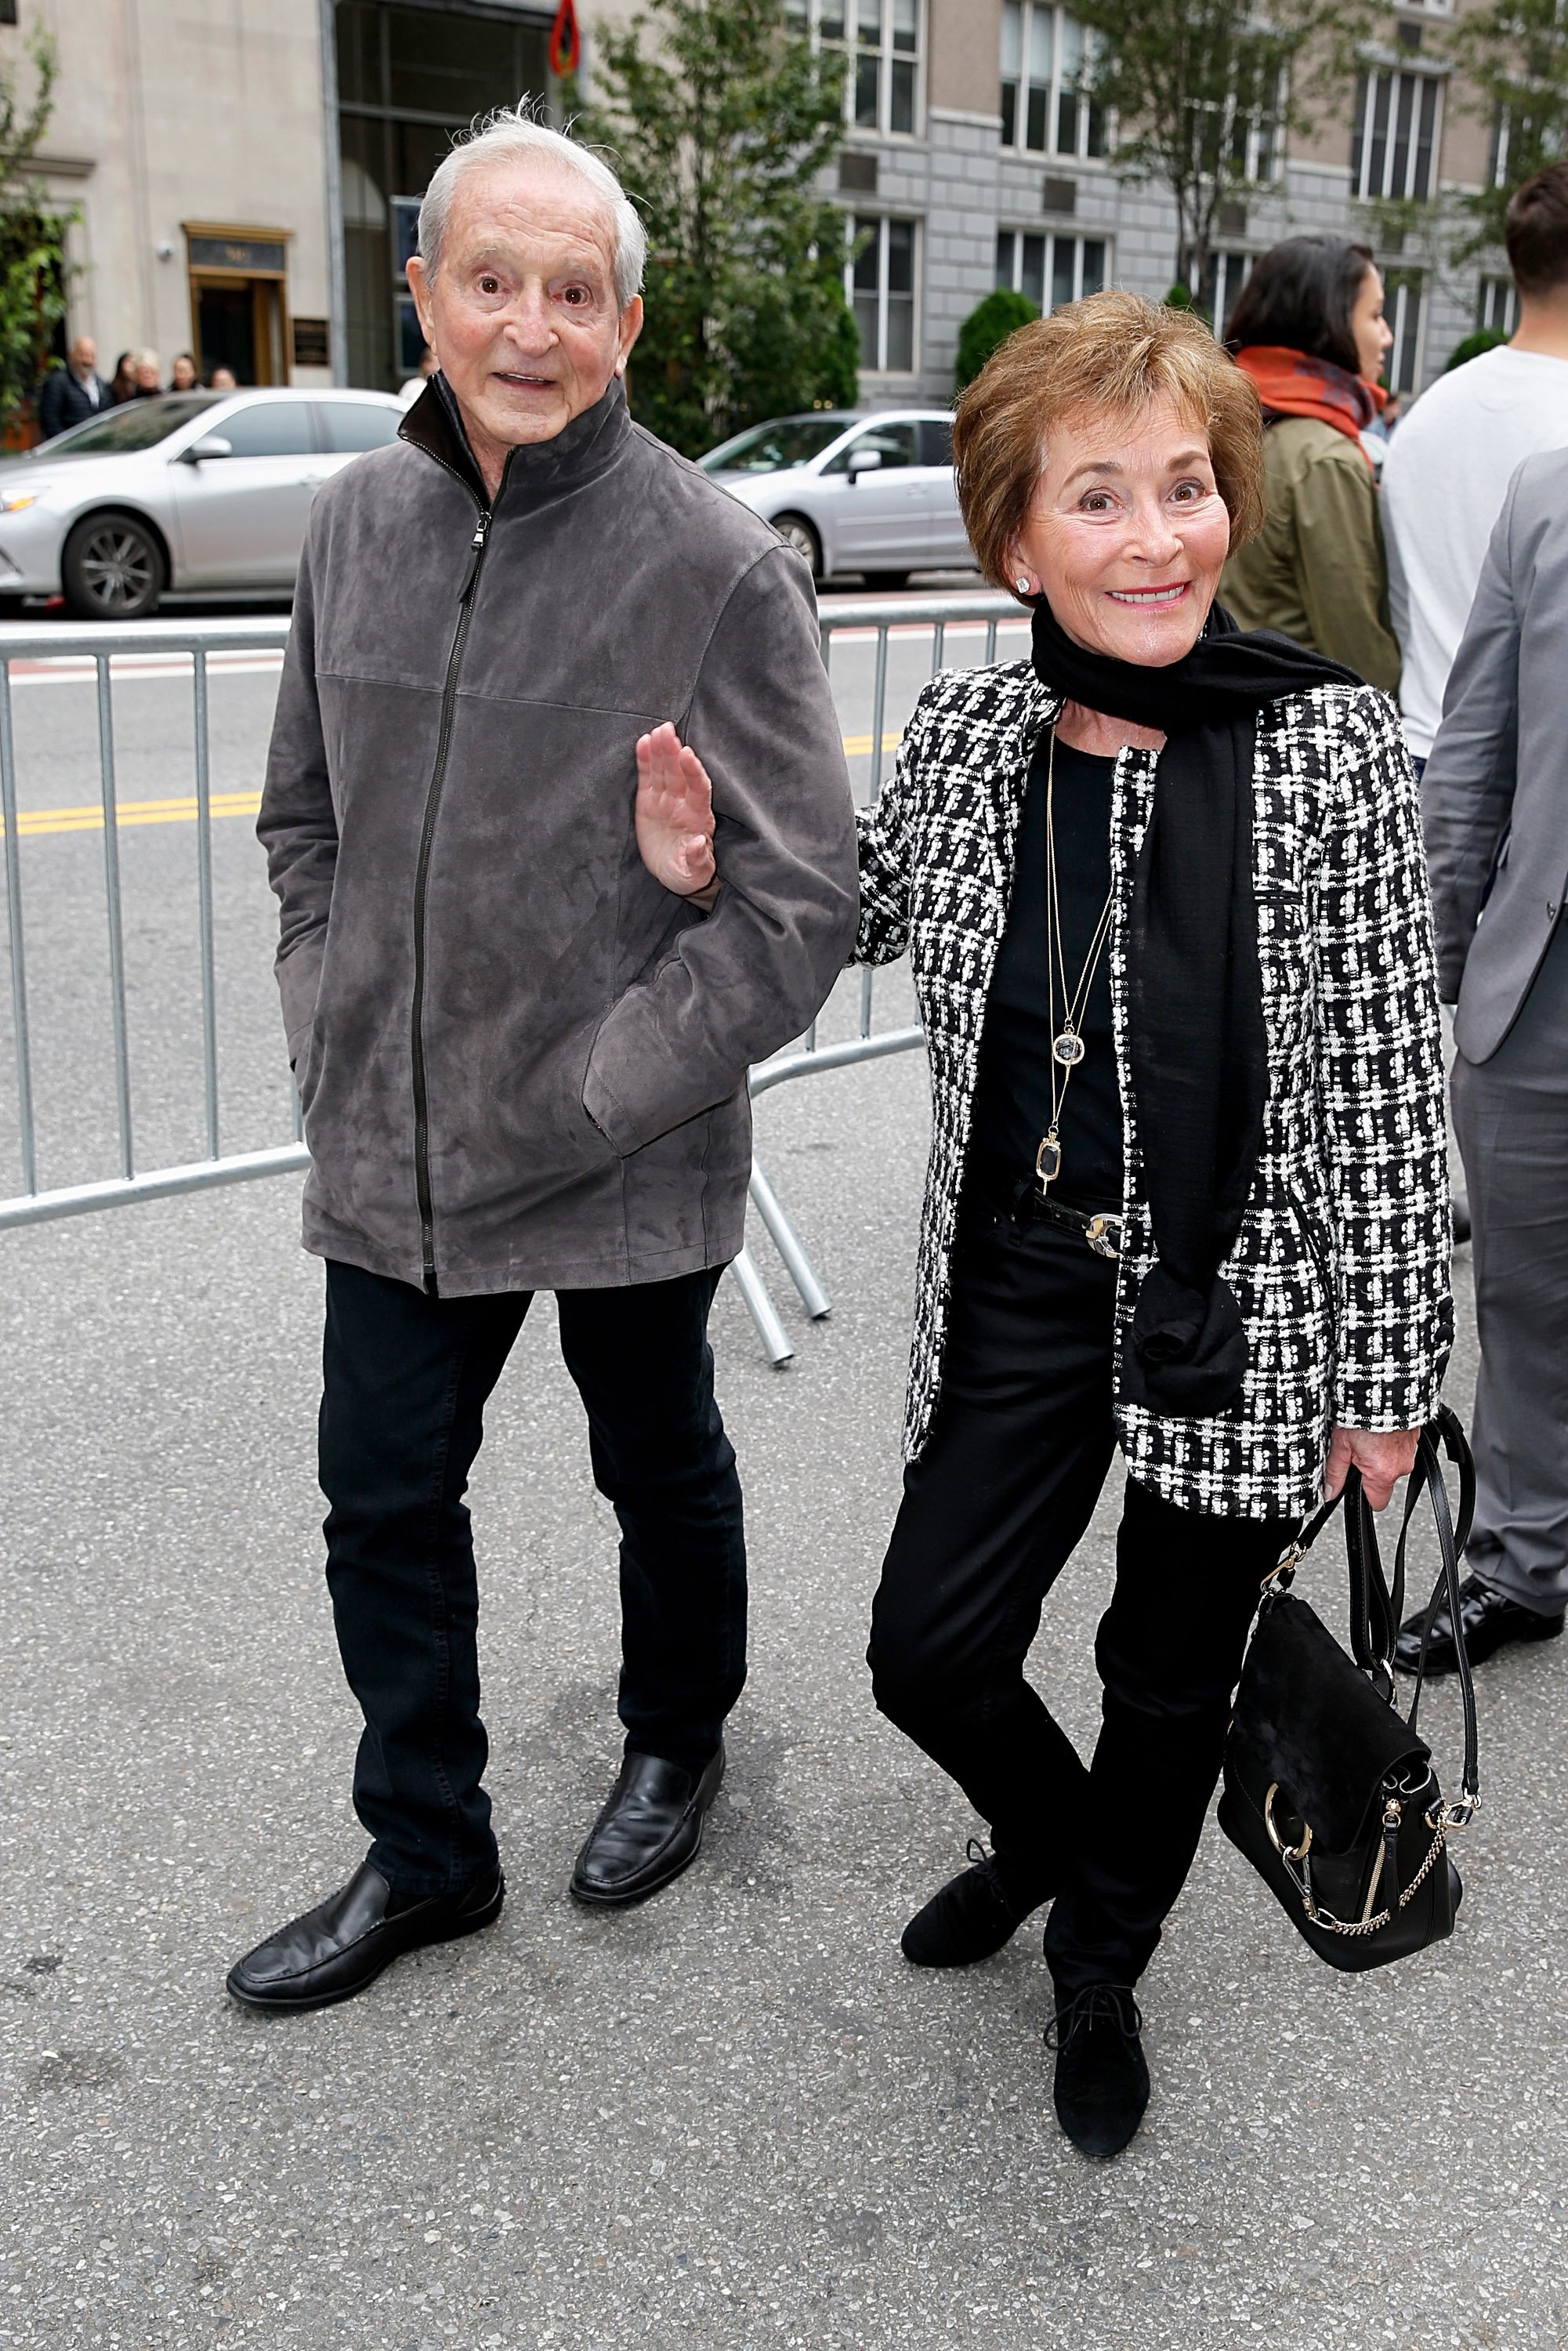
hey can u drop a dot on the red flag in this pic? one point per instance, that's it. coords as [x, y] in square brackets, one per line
[565, 46]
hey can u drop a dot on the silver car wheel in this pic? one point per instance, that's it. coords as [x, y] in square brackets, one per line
[795, 532]
[118, 567]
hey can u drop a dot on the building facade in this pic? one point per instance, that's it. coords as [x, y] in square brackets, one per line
[247, 178]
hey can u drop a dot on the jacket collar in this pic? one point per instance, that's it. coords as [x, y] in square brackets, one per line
[538, 471]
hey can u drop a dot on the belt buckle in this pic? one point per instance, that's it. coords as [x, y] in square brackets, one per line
[1103, 1235]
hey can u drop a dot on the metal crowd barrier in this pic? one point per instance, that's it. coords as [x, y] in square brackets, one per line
[931, 615]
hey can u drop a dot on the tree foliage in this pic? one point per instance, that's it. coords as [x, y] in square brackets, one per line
[987, 329]
[1514, 56]
[1207, 91]
[32, 237]
[722, 116]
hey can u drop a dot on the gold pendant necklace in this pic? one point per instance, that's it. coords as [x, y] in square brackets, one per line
[1067, 1045]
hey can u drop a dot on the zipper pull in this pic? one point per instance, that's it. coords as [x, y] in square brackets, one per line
[477, 545]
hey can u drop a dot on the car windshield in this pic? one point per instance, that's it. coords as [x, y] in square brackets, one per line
[774, 448]
[140, 425]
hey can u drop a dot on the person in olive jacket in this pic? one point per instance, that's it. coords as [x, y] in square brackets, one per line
[1308, 327]
[522, 1061]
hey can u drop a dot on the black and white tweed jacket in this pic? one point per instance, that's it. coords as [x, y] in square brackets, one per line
[1340, 1268]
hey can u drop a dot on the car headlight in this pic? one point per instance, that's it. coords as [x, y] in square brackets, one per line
[12, 502]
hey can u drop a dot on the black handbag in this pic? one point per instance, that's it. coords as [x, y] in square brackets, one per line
[1329, 1790]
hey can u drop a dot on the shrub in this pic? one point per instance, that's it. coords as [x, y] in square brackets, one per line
[987, 328]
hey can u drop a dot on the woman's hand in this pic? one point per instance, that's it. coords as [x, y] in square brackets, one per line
[674, 815]
[1383, 1458]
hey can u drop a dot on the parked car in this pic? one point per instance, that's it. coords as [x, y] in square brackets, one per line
[872, 494]
[193, 490]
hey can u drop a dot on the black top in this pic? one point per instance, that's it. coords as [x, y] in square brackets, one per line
[1012, 1100]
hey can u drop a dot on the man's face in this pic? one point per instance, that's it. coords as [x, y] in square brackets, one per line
[83, 355]
[522, 313]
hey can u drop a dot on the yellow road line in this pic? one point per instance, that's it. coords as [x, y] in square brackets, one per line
[32, 822]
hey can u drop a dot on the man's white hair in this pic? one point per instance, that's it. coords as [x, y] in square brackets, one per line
[512, 134]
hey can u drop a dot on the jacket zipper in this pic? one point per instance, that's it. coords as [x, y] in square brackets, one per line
[420, 886]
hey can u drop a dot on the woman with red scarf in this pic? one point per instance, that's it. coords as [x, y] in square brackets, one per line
[1310, 331]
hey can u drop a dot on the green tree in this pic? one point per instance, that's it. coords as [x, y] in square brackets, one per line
[32, 237]
[1207, 91]
[722, 116]
[987, 329]
[1513, 54]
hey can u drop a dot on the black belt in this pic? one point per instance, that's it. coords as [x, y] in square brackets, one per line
[1020, 1198]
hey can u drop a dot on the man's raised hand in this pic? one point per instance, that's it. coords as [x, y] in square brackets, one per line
[674, 814]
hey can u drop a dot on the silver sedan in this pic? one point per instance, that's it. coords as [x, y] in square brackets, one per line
[191, 491]
[869, 494]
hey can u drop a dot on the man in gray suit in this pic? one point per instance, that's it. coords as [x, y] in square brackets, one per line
[1496, 801]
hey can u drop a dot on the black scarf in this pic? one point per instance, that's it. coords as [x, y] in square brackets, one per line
[1198, 1045]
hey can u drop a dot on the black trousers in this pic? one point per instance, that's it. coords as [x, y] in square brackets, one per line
[992, 1510]
[406, 1379]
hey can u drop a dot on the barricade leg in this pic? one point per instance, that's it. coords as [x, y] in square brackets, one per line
[786, 1240]
[762, 1311]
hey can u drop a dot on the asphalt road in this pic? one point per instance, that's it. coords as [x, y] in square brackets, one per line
[732, 2117]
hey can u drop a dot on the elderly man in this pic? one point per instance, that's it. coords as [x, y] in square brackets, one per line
[1495, 800]
[72, 393]
[522, 1060]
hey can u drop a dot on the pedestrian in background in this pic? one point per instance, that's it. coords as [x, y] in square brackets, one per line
[428, 363]
[1162, 894]
[146, 375]
[1308, 327]
[223, 379]
[1447, 471]
[1496, 801]
[122, 383]
[72, 393]
[183, 375]
[522, 1061]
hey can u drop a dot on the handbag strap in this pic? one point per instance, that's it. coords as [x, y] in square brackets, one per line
[1445, 1432]
[1374, 1610]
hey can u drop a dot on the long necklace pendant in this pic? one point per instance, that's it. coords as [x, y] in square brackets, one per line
[1068, 1048]
[1048, 1160]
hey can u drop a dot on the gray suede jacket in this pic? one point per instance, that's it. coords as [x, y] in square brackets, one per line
[522, 1063]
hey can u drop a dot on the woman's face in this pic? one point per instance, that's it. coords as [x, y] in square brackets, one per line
[1370, 330]
[185, 375]
[1126, 534]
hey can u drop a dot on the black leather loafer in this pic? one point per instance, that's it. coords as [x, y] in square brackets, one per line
[1102, 2078]
[342, 1945]
[970, 1918]
[649, 1830]
[1489, 1621]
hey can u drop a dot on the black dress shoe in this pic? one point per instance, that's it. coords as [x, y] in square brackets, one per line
[970, 1918]
[649, 1831]
[342, 1945]
[1488, 1620]
[1101, 2080]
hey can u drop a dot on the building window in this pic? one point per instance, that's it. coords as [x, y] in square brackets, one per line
[880, 42]
[1050, 269]
[880, 284]
[1043, 111]
[1395, 142]
[1405, 307]
[1225, 276]
[1497, 305]
[408, 80]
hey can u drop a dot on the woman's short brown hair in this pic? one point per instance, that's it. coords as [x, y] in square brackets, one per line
[1109, 355]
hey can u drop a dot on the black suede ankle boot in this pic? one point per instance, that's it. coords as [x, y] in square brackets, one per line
[972, 1916]
[1102, 2079]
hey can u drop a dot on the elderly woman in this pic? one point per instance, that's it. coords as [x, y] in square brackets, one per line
[1162, 891]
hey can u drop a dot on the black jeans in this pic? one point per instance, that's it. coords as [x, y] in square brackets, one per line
[992, 1510]
[406, 1380]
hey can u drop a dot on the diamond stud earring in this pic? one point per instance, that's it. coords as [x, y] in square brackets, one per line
[1021, 583]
